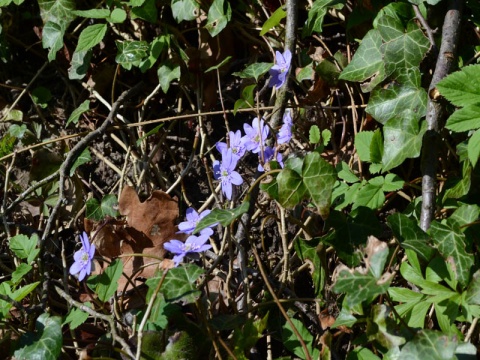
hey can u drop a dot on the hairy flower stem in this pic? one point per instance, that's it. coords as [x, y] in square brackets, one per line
[436, 111]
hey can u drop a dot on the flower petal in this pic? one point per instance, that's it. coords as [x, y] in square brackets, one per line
[227, 189]
[235, 178]
[75, 268]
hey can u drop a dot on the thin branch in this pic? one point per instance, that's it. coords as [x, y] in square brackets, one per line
[435, 111]
[427, 28]
[290, 40]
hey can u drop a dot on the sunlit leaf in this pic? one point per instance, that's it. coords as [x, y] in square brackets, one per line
[52, 39]
[462, 88]
[105, 284]
[179, 283]
[222, 216]
[83, 158]
[91, 36]
[367, 65]
[451, 244]
[167, 72]
[185, 9]
[219, 14]
[131, 53]
[291, 189]
[75, 115]
[45, 343]
[402, 138]
[273, 20]
[254, 71]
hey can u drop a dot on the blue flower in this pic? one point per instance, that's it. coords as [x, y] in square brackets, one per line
[194, 244]
[225, 171]
[255, 135]
[285, 132]
[83, 258]
[280, 69]
[236, 144]
[268, 155]
[193, 218]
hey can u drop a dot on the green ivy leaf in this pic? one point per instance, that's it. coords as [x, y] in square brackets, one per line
[273, 20]
[131, 53]
[167, 73]
[307, 251]
[392, 183]
[402, 137]
[105, 284]
[75, 115]
[360, 287]
[224, 217]
[98, 211]
[247, 100]
[317, 13]
[430, 345]
[179, 283]
[60, 12]
[473, 290]
[93, 13]
[254, 71]
[185, 10]
[91, 36]
[410, 236]
[465, 119]
[47, 341]
[382, 328]
[291, 189]
[451, 244]
[218, 66]
[156, 47]
[52, 39]
[79, 64]
[83, 158]
[319, 178]
[402, 49]
[456, 188]
[384, 104]
[367, 65]
[362, 145]
[25, 247]
[219, 14]
[146, 10]
[462, 88]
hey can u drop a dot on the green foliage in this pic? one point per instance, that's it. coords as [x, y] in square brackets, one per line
[273, 20]
[254, 71]
[218, 17]
[223, 217]
[45, 343]
[179, 283]
[105, 284]
[99, 210]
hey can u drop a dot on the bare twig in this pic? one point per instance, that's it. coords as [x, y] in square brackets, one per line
[108, 318]
[290, 39]
[435, 111]
[427, 27]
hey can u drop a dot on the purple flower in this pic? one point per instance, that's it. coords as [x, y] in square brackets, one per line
[255, 135]
[285, 132]
[280, 69]
[225, 171]
[236, 144]
[83, 258]
[268, 155]
[193, 218]
[194, 244]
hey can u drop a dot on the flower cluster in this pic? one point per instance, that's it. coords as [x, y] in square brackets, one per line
[193, 244]
[83, 258]
[254, 141]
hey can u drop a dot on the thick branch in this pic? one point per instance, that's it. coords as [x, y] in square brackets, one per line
[435, 111]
